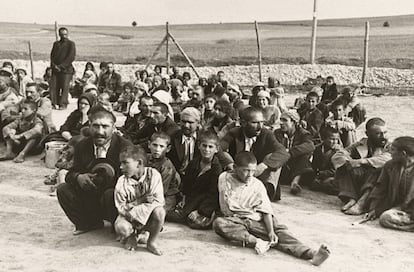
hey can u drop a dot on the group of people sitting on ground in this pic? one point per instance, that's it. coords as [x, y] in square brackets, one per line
[209, 156]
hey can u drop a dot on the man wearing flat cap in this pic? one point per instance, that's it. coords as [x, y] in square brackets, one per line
[87, 197]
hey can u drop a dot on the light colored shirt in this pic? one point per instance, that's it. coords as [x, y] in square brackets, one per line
[101, 151]
[189, 146]
[129, 194]
[248, 143]
[244, 200]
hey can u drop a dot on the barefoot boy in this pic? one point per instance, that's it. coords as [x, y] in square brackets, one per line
[23, 134]
[139, 199]
[159, 146]
[392, 199]
[199, 186]
[345, 125]
[248, 214]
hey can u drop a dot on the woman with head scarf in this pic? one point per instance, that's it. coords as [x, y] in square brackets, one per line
[271, 113]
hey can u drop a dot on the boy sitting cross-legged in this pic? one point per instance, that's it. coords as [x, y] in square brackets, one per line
[199, 186]
[23, 134]
[159, 146]
[139, 198]
[248, 215]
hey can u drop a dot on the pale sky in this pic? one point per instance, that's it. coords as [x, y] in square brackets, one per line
[155, 12]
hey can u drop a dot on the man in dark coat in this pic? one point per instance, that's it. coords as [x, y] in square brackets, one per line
[253, 137]
[111, 82]
[298, 141]
[61, 58]
[86, 199]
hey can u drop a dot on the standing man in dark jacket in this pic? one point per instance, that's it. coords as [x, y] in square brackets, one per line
[61, 58]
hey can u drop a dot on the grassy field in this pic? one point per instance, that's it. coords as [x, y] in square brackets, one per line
[339, 41]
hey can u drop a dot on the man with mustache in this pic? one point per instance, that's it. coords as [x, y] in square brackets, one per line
[86, 200]
[253, 137]
[359, 165]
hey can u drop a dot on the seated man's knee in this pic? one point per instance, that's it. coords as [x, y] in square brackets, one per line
[158, 215]
[63, 190]
[123, 227]
[218, 224]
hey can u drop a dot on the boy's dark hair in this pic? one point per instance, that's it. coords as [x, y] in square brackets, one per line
[244, 158]
[102, 65]
[187, 74]
[208, 135]
[109, 62]
[247, 113]
[210, 95]
[329, 77]
[31, 104]
[8, 63]
[62, 28]
[145, 97]
[135, 152]
[128, 85]
[160, 135]
[337, 103]
[405, 143]
[312, 94]
[99, 112]
[376, 121]
[327, 131]
[163, 107]
[34, 84]
[225, 107]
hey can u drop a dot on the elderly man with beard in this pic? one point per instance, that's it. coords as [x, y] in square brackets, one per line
[253, 137]
[87, 197]
[135, 123]
[359, 165]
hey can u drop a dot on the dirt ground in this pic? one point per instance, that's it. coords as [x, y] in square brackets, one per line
[35, 235]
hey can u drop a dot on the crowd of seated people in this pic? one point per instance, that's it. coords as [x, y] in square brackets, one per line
[208, 154]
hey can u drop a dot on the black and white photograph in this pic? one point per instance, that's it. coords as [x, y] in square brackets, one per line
[219, 135]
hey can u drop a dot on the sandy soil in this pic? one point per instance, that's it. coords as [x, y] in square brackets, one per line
[35, 235]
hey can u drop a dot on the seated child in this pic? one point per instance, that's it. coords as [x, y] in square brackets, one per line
[311, 116]
[104, 101]
[208, 114]
[23, 134]
[345, 125]
[298, 142]
[125, 99]
[159, 146]
[392, 199]
[248, 216]
[323, 168]
[199, 186]
[139, 198]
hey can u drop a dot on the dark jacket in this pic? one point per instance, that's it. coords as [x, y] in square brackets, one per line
[73, 123]
[84, 157]
[201, 191]
[177, 152]
[330, 93]
[62, 55]
[314, 121]
[141, 136]
[266, 148]
[386, 193]
[111, 82]
[321, 162]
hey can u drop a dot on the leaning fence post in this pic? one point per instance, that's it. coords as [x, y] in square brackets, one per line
[31, 58]
[167, 34]
[314, 27]
[259, 50]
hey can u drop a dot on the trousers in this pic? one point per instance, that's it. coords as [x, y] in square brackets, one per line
[86, 209]
[59, 88]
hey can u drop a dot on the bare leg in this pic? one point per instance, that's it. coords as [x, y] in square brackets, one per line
[295, 188]
[154, 226]
[348, 205]
[29, 145]
[359, 207]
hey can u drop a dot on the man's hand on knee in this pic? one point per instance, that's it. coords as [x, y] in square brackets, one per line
[85, 181]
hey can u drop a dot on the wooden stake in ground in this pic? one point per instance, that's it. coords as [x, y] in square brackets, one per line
[31, 58]
[314, 26]
[366, 41]
[185, 55]
[259, 50]
[156, 52]
[167, 34]
[56, 31]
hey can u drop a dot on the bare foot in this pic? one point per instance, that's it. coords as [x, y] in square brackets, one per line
[348, 205]
[142, 238]
[153, 249]
[7, 156]
[295, 188]
[355, 210]
[131, 243]
[320, 256]
[19, 158]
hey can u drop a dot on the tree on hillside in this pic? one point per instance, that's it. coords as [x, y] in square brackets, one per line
[386, 24]
[134, 24]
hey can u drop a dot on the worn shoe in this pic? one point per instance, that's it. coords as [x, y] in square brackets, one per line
[79, 231]
[261, 246]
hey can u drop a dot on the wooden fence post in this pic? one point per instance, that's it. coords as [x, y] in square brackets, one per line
[56, 31]
[259, 50]
[185, 55]
[366, 41]
[31, 58]
[156, 52]
[314, 27]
